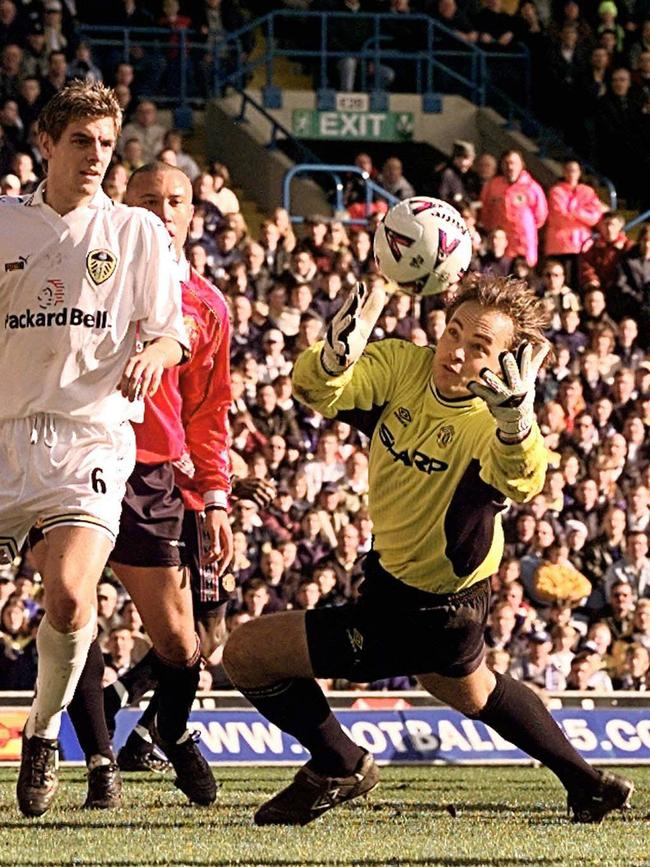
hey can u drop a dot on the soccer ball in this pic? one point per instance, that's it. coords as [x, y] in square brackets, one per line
[423, 245]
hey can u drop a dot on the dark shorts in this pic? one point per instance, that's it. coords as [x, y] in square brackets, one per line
[395, 629]
[209, 590]
[152, 519]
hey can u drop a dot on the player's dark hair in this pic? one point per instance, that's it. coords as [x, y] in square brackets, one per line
[511, 297]
[79, 100]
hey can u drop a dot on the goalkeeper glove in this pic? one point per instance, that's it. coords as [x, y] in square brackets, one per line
[350, 328]
[510, 398]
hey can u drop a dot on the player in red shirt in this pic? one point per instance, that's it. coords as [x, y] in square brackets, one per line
[182, 460]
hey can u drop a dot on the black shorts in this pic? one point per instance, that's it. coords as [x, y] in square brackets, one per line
[209, 590]
[395, 630]
[152, 519]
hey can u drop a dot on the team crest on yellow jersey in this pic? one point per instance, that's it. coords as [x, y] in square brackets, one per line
[445, 435]
[101, 265]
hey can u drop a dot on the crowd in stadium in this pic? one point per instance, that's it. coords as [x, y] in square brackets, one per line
[571, 601]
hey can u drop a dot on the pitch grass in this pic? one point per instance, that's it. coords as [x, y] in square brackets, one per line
[503, 816]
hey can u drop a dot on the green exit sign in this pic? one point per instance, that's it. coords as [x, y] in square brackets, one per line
[362, 125]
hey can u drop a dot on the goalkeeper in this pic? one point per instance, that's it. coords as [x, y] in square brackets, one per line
[453, 438]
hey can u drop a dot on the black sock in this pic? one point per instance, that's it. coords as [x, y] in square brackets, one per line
[136, 681]
[299, 708]
[518, 715]
[86, 710]
[176, 692]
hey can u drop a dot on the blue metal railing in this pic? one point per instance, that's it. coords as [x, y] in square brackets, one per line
[226, 61]
[373, 191]
[444, 62]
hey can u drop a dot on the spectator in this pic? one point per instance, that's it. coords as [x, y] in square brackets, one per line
[83, 66]
[457, 181]
[269, 418]
[599, 261]
[107, 609]
[224, 198]
[633, 568]
[392, 179]
[627, 348]
[581, 672]
[56, 77]
[619, 613]
[635, 671]
[350, 35]
[495, 27]
[641, 623]
[455, 19]
[344, 559]
[274, 362]
[119, 649]
[11, 72]
[173, 139]
[564, 641]
[146, 128]
[536, 664]
[29, 100]
[595, 316]
[36, 55]
[495, 260]
[516, 203]
[633, 285]
[564, 65]
[621, 136]
[573, 210]
[501, 631]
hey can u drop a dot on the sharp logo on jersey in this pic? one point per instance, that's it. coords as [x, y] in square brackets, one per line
[445, 435]
[403, 416]
[65, 316]
[396, 241]
[417, 459]
[101, 265]
[445, 249]
[51, 295]
[20, 265]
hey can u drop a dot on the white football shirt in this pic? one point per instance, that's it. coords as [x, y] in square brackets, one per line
[74, 290]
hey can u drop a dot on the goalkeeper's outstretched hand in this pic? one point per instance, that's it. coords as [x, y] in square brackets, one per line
[350, 328]
[510, 398]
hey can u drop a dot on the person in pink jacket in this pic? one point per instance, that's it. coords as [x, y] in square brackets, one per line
[573, 210]
[514, 201]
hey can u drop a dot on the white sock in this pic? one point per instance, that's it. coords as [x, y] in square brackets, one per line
[97, 760]
[144, 733]
[61, 658]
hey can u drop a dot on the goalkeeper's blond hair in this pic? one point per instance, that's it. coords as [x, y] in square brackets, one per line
[510, 296]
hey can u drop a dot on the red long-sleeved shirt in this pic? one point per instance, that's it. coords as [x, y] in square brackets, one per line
[186, 421]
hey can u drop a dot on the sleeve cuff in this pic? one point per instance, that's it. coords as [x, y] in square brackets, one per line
[216, 498]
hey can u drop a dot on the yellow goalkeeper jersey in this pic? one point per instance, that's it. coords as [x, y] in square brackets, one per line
[439, 477]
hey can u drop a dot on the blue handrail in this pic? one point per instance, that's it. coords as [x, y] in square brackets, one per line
[465, 65]
[373, 191]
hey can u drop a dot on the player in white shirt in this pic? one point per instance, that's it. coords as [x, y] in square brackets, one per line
[83, 281]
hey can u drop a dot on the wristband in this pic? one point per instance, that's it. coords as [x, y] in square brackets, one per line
[213, 507]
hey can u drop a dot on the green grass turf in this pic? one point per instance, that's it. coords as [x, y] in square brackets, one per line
[504, 816]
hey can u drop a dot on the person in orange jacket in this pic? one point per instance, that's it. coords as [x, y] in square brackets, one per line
[573, 210]
[514, 201]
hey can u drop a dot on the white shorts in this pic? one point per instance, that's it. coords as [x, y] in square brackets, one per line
[56, 472]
